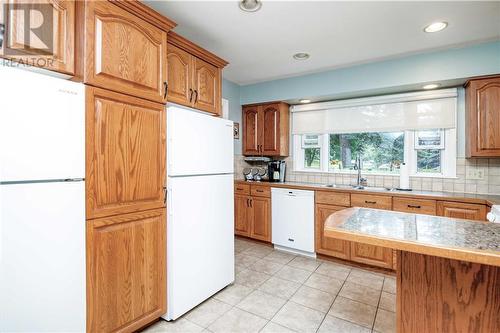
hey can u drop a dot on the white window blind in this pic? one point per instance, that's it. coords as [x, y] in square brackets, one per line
[401, 112]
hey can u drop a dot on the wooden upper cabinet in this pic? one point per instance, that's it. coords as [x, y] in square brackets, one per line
[179, 75]
[53, 47]
[125, 144]
[261, 218]
[251, 130]
[461, 210]
[124, 53]
[266, 129]
[126, 266]
[195, 75]
[483, 117]
[326, 245]
[207, 87]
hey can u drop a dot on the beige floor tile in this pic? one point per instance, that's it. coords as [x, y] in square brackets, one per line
[233, 294]
[240, 246]
[261, 304]
[337, 325]
[280, 257]
[360, 293]
[337, 271]
[206, 313]
[279, 287]
[388, 301]
[180, 325]
[259, 251]
[236, 321]
[275, 328]
[251, 279]
[313, 298]
[308, 264]
[355, 312]
[238, 269]
[385, 322]
[298, 318]
[324, 283]
[241, 259]
[293, 274]
[389, 285]
[367, 279]
[266, 266]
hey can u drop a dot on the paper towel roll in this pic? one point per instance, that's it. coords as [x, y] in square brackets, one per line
[404, 177]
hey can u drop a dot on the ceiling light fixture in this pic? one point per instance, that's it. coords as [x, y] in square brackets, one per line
[301, 56]
[304, 101]
[431, 86]
[435, 26]
[250, 5]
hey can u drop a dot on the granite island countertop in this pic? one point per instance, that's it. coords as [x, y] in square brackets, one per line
[484, 199]
[471, 241]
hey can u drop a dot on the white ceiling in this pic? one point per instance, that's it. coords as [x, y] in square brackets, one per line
[259, 46]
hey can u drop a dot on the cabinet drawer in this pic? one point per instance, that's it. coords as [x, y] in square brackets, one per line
[261, 191]
[371, 201]
[333, 198]
[242, 189]
[418, 206]
[461, 210]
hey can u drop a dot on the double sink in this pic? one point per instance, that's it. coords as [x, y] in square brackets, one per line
[358, 187]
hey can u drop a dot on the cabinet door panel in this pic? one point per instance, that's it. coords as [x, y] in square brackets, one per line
[271, 132]
[461, 210]
[241, 215]
[251, 123]
[261, 224]
[372, 255]
[179, 76]
[326, 245]
[125, 153]
[123, 52]
[207, 86]
[488, 111]
[53, 48]
[126, 268]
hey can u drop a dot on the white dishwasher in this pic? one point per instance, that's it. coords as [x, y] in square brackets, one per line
[293, 220]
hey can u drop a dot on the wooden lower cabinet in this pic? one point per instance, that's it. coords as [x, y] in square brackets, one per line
[372, 255]
[461, 210]
[325, 245]
[126, 268]
[252, 217]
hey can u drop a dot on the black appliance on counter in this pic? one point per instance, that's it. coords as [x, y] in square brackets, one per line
[276, 171]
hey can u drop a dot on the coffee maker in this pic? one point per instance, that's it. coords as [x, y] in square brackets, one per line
[276, 171]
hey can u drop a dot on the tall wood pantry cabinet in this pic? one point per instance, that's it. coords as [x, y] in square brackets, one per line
[125, 73]
[266, 129]
[194, 75]
[483, 117]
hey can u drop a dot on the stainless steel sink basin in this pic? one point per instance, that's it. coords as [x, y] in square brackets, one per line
[355, 187]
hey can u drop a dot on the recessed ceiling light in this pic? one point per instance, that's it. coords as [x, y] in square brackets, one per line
[431, 86]
[304, 101]
[301, 56]
[435, 26]
[250, 5]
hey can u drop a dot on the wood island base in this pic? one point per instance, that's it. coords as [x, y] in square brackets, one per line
[436, 294]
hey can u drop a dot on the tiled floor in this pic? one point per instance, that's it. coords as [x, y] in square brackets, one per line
[279, 292]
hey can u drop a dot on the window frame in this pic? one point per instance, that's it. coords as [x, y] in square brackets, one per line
[448, 156]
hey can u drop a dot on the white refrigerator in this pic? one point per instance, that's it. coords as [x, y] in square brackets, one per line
[200, 209]
[42, 203]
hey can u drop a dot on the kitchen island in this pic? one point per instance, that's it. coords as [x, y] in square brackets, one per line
[448, 270]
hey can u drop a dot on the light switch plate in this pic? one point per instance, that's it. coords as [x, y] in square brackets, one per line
[475, 174]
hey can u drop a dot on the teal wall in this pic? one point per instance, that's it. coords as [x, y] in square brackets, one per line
[451, 64]
[231, 92]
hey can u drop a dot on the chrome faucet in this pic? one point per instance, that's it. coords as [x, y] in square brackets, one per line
[357, 166]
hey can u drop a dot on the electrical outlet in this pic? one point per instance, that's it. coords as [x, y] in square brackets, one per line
[475, 174]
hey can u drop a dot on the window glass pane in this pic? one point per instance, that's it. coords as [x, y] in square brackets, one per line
[312, 158]
[380, 152]
[429, 139]
[429, 160]
[310, 140]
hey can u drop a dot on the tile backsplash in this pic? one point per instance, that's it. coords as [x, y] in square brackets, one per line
[489, 185]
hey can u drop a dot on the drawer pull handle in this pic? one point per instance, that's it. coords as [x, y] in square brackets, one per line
[291, 240]
[260, 191]
[239, 189]
[370, 202]
[414, 206]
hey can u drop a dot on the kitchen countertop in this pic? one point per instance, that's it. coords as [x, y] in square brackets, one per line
[484, 199]
[457, 239]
